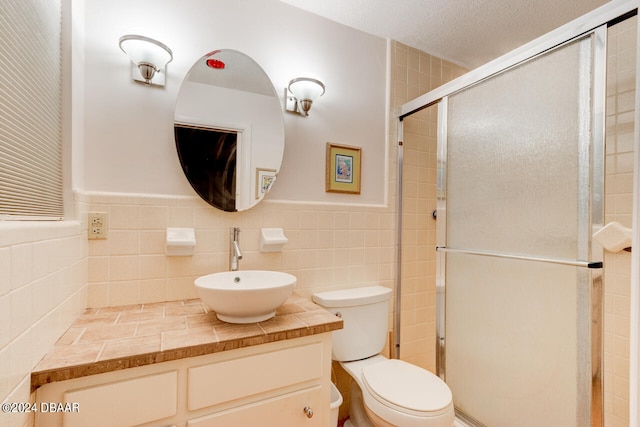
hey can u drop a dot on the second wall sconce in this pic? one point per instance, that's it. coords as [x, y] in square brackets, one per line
[149, 56]
[301, 93]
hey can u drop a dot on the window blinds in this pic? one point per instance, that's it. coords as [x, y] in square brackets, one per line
[30, 110]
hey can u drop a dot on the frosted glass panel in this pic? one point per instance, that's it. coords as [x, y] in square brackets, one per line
[511, 345]
[513, 156]
[517, 183]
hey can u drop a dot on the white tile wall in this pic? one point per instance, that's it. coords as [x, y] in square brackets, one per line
[416, 73]
[43, 275]
[329, 246]
[618, 207]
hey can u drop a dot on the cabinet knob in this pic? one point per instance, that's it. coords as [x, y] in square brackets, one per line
[308, 411]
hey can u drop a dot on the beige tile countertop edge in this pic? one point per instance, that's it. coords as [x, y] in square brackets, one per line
[114, 338]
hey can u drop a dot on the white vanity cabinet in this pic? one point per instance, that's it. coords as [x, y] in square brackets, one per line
[284, 383]
[290, 409]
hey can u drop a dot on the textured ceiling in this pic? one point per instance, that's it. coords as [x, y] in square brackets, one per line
[466, 32]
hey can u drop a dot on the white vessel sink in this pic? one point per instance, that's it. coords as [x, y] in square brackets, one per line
[245, 296]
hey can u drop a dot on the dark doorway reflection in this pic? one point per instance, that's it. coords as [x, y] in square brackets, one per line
[208, 159]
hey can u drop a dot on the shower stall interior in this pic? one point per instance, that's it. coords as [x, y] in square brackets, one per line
[520, 191]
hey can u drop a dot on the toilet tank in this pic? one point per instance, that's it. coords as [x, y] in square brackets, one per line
[365, 316]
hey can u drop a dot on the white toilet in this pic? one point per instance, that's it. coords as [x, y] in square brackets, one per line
[393, 392]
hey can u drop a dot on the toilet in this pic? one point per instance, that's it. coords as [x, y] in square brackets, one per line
[387, 392]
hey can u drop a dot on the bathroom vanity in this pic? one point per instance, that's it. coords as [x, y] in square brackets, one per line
[175, 364]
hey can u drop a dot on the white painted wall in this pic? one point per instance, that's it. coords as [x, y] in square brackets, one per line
[128, 135]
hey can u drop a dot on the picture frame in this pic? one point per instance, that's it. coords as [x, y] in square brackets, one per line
[343, 168]
[264, 181]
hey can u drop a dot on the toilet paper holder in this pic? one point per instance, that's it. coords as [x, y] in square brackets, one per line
[272, 239]
[180, 241]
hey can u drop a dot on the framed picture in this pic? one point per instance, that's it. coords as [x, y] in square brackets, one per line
[264, 180]
[343, 169]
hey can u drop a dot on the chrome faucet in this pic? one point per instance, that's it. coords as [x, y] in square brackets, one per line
[235, 255]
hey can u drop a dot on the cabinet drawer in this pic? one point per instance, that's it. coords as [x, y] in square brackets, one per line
[124, 403]
[283, 411]
[236, 378]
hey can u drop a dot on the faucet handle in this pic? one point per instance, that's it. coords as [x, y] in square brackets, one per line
[235, 232]
[235, 254]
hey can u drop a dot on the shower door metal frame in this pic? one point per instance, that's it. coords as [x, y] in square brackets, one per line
[591, 214]
[595, 23]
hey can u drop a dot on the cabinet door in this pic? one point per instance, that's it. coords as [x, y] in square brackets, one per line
[124, 403]
[225, 381]
[288, 410]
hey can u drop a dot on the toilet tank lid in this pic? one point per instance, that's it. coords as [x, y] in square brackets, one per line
[352, 297]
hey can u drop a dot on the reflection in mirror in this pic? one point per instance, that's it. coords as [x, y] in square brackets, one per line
[208, 157]
[229, 130]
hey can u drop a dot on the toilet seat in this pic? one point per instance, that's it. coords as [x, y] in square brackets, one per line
[407, 395]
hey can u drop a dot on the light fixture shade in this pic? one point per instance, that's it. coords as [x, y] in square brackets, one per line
[149, 55]
[306, 88]
[145, 50]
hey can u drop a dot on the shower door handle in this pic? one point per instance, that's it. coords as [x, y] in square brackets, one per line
[586, 264]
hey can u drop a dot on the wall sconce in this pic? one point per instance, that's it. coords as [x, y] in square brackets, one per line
[149, 56]
[301, 93]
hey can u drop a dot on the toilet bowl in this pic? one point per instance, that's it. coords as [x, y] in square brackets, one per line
[393, 392]
[397, 393]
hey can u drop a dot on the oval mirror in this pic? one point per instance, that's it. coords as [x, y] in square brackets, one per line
[229, 130]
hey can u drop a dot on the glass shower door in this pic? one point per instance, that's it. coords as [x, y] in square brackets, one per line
[521, 185]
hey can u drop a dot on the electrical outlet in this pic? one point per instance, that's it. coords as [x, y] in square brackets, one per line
[97, 225]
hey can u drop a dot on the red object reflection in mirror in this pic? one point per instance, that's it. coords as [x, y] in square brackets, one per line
[215, 63]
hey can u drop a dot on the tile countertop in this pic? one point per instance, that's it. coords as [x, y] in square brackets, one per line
[113, 338]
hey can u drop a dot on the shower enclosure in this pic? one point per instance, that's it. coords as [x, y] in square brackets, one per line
[520, 192]
[523, 154]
